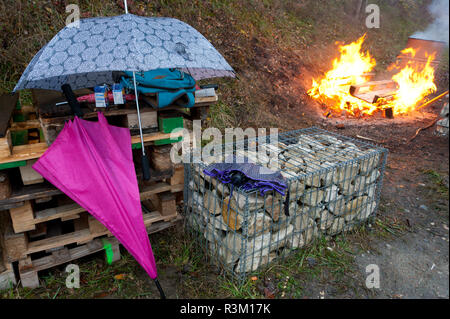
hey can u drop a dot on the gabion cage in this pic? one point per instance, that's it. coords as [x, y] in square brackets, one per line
[334, 184]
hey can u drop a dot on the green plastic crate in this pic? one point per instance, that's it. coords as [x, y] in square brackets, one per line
[167, 125]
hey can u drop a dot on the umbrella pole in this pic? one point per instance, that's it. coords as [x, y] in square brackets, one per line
[145, 162]
[161, 291]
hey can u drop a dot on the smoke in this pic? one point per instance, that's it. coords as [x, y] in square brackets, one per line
[438, 29]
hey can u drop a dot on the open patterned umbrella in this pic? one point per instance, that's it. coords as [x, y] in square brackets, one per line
[86, 56]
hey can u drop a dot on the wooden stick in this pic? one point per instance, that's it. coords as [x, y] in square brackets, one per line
[432, 100]
[368, 139]
[424, 128]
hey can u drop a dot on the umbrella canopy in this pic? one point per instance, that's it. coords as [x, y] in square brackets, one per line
[92, 163]
[86, 56]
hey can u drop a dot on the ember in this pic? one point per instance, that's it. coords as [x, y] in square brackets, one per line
[347, 89]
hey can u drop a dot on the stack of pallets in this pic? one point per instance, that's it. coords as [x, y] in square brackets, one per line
[40, 227]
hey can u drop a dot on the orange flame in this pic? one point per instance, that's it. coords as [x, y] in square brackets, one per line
[414, 82]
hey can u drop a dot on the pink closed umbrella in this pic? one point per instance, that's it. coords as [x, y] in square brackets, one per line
[92, 163]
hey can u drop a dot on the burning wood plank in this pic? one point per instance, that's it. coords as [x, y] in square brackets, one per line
[374, 90]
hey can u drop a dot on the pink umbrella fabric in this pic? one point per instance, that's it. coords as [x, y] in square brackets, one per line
[92, 163]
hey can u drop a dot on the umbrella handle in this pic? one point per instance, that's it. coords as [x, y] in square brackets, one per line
[72, 100]
[161, 291]
[145, 167]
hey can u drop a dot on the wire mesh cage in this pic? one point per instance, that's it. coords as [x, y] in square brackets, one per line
[333, 185]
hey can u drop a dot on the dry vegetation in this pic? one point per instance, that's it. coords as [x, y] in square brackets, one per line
[275, 46]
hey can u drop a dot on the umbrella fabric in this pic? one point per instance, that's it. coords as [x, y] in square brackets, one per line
[257, 176]
[85, 56]
[92, 163]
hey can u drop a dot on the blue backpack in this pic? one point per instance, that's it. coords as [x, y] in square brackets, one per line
[170, 86]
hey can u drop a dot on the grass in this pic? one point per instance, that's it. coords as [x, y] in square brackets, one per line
[438, 182]
[436, 191]
[333, 262]
[183, 266]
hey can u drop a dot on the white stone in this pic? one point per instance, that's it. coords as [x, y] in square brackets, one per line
[279, 238]
[313, 180]
[354, 207]
[302, 209]
[346, 173]
[293, 164]
[252, 262]
[326, 220]
[192, 186]
[311, 233]
[370, 191]
[220, 187]
[212, 234]
[337, 226]
[274, 164]
[307, 140]
[288, 173]
[313, 197]
[200, 182]
[296, 241]
[195, 198]
[302, 222]
[373, 177]
[444, 111]
[270, 148]
[347, 187]
[368, 164]
[218, 222]
[331, 193]
[337, 207]
[367, 210]
[282, 221]
[230, 250]
[296, 189]
[259, 243]
[255, 201]
[328, 139]
[258, 223]
[326, 178]
[212, 202]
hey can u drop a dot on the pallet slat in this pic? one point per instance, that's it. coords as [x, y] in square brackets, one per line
[373, 90]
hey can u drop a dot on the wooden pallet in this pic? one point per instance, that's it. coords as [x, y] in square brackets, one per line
[123, 117]
[373, 90]
[86, 228]
[27, 214]
[16, 156]
[28, 141]
[33, 151]
[29, 268]
[59, 246]
[25, 219]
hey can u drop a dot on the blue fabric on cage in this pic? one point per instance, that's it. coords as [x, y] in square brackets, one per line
[256, 176]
